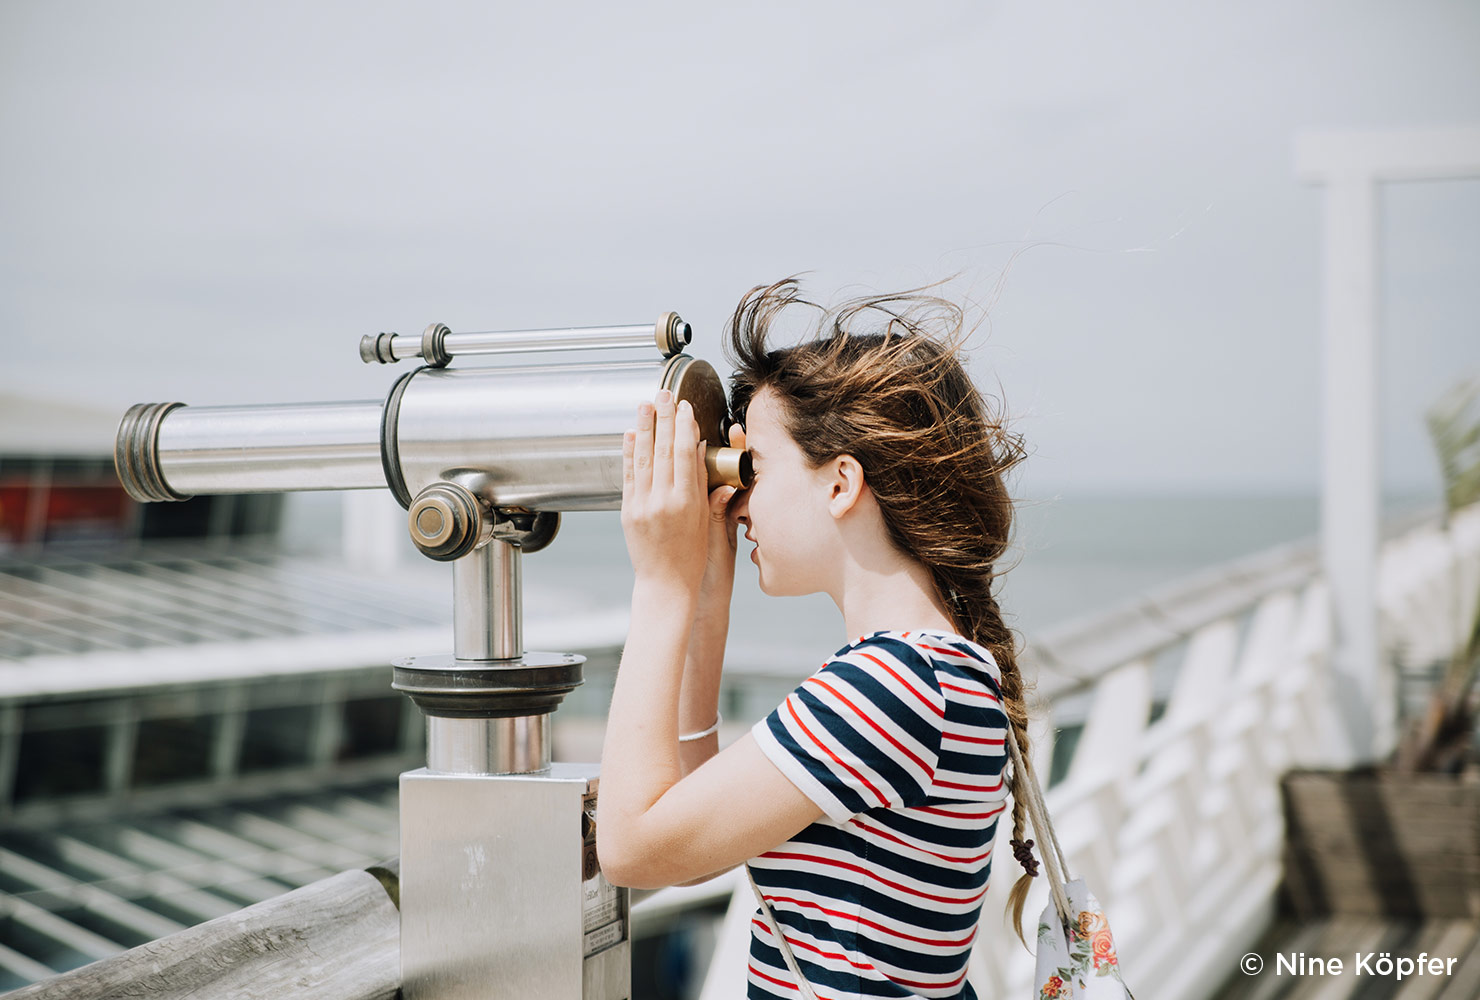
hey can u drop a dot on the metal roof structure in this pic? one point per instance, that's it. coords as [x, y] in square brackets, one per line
[91, 619]
[166, 595]
[92, 889]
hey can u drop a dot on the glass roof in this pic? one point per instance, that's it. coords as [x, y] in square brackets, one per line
[179, 594]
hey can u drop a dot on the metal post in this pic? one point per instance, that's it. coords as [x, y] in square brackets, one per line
[1350, 505]
[487, 612]
[1352, 166]
[488, 746]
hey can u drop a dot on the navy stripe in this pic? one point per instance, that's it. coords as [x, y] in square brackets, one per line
[945, 838]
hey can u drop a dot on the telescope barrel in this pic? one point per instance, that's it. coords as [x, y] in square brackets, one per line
[544, 437]
[541, 437]
[169, 451]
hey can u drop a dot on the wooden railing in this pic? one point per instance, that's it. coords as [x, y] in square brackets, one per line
[335, 939]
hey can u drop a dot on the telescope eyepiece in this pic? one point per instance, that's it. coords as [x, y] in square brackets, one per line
[673, 334]
[728, 467]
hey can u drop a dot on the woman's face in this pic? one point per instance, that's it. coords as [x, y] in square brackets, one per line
[785, 511]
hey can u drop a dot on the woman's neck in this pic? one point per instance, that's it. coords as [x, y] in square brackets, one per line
[890, 595]
[876, 586]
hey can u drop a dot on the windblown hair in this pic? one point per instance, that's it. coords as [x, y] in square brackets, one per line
[882, 381]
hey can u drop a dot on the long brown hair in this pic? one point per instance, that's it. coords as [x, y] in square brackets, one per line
[897, 398]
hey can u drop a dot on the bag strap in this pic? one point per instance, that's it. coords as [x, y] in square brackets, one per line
[781, 943]
[1053, 854]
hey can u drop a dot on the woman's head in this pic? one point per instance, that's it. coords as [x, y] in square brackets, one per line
[882, 386]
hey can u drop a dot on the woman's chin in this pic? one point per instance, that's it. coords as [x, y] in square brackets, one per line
[762, 583]
[774, 588]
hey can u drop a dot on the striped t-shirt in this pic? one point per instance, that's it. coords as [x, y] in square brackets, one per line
[899, 738]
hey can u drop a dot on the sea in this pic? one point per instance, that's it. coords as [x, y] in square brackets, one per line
[1072, 554]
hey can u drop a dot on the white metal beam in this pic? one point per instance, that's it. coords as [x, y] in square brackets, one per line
[1351, 165]
[1391, 155]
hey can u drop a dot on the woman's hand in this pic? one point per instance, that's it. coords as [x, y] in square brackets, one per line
[664, 511]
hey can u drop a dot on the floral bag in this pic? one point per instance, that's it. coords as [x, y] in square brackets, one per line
[1076, 954]
[1079, 964]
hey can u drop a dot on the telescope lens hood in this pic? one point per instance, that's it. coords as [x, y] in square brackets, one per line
[136, 453]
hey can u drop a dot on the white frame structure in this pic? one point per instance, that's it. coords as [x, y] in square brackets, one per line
[1351, 166]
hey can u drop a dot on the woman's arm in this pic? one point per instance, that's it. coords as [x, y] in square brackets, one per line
[657, 826]
[698, 699]
[735, 806]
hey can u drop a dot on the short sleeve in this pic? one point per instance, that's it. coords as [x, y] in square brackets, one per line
[863, 732]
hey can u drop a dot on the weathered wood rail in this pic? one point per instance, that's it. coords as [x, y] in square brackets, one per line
[336, 939]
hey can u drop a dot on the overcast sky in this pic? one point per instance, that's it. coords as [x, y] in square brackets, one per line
[212, 203]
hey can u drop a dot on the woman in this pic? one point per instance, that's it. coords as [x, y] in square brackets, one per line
[867, 802]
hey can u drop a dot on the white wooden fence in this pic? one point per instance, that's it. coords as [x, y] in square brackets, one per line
[1188, 704]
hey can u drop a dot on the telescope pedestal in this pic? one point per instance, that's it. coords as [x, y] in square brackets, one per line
[501, 892]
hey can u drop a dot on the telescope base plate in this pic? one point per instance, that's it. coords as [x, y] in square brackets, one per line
[449, 688]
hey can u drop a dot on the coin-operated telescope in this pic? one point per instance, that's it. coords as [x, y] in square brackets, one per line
[501, 892]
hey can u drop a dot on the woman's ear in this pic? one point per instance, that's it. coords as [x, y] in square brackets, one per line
[846, 486]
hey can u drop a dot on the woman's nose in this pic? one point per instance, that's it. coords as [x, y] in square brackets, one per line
[741, 507]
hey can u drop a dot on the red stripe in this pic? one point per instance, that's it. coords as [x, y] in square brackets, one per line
[935, 811]
[877, 728]
[883, 801]
[863, 965]
[903, 982]
[813, 948]
[876, 877]
[941, 782]
[773, 979]
[974, 739]
[875, 924]
[858, 821]
[971, 691]
[952, 652]
[893, 673]
[930, 986]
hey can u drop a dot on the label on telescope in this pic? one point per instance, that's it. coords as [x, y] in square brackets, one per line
[601, 904]
[603, 937]
[602, 919]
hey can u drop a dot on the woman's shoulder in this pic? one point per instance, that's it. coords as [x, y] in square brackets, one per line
[935, 657]
[940, 649]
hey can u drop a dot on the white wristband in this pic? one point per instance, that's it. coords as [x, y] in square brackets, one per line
[690, 737]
